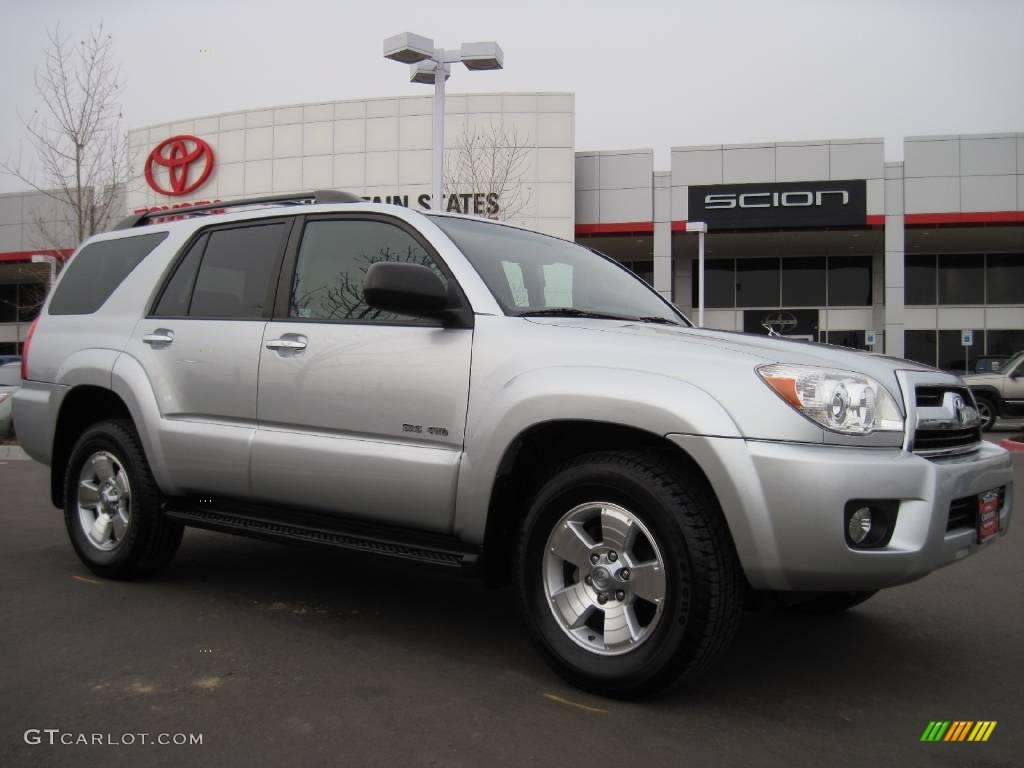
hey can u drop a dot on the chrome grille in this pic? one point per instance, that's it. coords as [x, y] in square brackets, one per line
[947, 422]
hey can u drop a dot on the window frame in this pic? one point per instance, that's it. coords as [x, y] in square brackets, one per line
[194, 238]
[286, 279]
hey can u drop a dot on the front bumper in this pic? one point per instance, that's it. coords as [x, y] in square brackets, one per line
[784, 505]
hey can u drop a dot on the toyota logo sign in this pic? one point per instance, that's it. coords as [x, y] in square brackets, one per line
[189, 163]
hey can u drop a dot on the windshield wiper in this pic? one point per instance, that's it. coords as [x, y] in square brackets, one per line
[656, 319]
[571, 312]
[574, 312]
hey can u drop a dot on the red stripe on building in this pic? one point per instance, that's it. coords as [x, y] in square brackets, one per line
[62, 253]
[876, 220]
[618, 228]
[984, 217]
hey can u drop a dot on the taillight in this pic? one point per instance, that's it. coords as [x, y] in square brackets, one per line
[24, 349]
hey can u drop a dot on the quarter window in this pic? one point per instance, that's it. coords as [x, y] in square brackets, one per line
[334, 258]
[237, 272]
[97, 270]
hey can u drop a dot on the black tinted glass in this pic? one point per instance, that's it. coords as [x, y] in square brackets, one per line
[239, 268]
[1004, 342]
[8, 303]
[720, 286]
[803, 282]
[961, 278]
[953, 356]
[333, 260]
[175, 300]
[96, 271]
[1006, 278]
[920, 277]
[757, 282]
[849, 281]
[920, 346]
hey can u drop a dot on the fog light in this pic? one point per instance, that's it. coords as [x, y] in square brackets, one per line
[860, 525]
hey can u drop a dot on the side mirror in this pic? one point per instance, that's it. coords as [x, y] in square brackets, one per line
[407, 289]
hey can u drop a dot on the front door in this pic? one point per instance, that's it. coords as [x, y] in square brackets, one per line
[200, 348]
[362, 413]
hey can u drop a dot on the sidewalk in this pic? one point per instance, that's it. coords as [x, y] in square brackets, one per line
[12, 453]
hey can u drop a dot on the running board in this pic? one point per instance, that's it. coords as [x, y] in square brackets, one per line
[326, 535]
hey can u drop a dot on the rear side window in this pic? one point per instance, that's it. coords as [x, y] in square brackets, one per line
[97, 270]
[238, 271]
[178, 293]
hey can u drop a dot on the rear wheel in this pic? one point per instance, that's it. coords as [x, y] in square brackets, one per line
[986, 411]
[627, 575]
[112, 506]
[832, 602]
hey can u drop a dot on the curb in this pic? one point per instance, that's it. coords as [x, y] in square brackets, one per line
[1013, 445]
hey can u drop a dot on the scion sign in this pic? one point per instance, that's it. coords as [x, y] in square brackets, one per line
[789, 204]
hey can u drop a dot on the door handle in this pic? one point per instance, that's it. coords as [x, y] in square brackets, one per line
[287, 345]
[160, 336]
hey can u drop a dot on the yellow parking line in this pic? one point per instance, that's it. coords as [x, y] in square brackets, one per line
[584, 707]
[87, 581]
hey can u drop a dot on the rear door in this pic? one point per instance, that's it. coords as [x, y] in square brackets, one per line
[200, 347]
[361, 413]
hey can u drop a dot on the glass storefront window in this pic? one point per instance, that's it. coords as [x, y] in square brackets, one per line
[803, 281]
[1004, 274]
[1004, 342]
[720, 276]
[757, 283]
[920, 279]
[851, 339]
[919, 346]
[961, 278]
[955, 357]
[849, 281]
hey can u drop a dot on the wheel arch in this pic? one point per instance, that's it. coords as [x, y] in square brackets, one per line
[531, 458]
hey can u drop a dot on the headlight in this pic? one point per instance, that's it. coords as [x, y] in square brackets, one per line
[842, 401]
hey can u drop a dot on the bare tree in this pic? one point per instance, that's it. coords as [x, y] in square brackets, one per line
[81, 150]
[486, 173]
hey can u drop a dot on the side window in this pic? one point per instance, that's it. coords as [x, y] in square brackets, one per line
[237, 272]
[333, 260]
[97, 270]
[178, 293]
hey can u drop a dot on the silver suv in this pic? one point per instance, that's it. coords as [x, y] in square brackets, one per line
[462, 392]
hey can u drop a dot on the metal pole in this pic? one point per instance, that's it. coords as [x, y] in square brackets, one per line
[437, 199]
[700, 286]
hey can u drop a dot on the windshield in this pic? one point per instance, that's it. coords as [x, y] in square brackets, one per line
[534, 274]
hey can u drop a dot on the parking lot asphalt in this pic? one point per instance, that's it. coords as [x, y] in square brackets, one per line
[301, 657]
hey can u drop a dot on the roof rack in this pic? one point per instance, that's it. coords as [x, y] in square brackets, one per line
[296, 198]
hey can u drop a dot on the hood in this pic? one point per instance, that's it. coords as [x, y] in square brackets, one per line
[758, 349]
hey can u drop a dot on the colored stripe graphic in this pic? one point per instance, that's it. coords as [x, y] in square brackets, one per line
[958, 730]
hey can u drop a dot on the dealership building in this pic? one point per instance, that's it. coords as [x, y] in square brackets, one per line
[820, 240]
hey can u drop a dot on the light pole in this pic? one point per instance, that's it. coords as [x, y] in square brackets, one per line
[426, 61]
[701, 228]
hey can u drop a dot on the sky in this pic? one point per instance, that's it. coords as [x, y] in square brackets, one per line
[645, 74]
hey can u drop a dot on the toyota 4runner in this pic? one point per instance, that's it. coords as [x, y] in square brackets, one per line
[320, 369]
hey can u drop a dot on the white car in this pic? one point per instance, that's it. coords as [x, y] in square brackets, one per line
[10, 381]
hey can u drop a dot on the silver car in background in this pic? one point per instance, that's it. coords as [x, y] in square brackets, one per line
[10, 382]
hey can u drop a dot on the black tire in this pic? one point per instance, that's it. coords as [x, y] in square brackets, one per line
[704, 583]
[987, 412]
[832, 602]
[150, 539]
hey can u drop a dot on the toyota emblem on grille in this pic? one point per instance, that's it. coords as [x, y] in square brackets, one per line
[960, 409]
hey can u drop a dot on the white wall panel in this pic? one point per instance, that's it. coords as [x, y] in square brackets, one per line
[856, 161]
[288, 140]
[259, 177]
[623, 205]
[981, 157]
[743, 166]
[317, 172]
[318, 138]
[349, 171]
[349, 136]
[554, 130]
[696, 167]
[259, 144]
[932, 195]
[382, 134]
[801, 163]
[415, 132]
[230, 180]
[381, 168]
[288, 174]
[931, 158]
[988, 193]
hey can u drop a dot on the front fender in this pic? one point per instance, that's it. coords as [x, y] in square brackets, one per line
[648, 401]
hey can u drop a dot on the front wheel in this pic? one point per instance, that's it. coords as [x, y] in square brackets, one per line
[986, 412]
[112, 505]
[628, 578]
